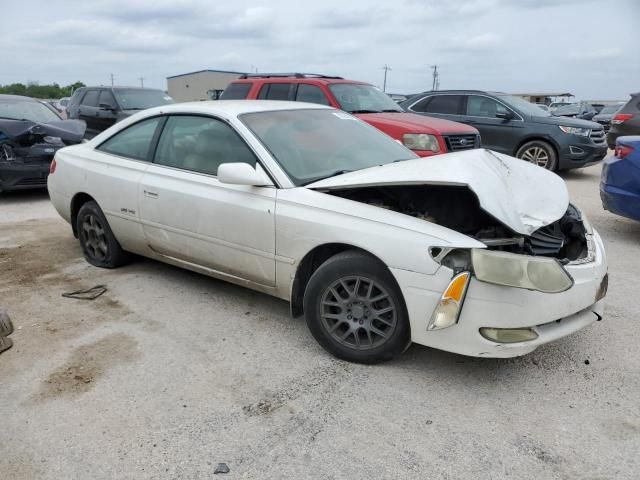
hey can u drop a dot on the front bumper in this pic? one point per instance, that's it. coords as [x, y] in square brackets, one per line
[551, 315]
[578, 155]
[17, 175]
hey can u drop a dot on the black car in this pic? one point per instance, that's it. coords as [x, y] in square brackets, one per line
[626, 121]
[581, 110]
[101, 107]
[605, 115]
[31, 132]
[513, 126]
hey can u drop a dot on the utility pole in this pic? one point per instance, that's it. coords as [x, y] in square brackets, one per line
[435, 84]
[112, 79]
[386, 68]
[141, 81]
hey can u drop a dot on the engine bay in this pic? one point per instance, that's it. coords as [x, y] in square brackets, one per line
[458, 208]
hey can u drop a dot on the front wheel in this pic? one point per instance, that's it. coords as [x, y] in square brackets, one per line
[539, 153]
[355, 310]
[99, 245]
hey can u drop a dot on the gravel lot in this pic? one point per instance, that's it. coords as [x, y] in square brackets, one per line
[171, 372]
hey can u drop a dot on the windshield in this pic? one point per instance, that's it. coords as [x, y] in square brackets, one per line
[571, 109]
[359, 98]
[312, 144]
[610, 109]
[27, 110]
[138, 99]
[523, 106]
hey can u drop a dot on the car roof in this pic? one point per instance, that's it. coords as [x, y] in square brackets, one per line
[17, 98]
[462, 92]
[293, 79]
[236, 107]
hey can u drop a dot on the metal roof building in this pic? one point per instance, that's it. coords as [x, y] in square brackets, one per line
[199, 85]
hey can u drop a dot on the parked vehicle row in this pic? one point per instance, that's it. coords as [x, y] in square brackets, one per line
[607, 113]
[513, 126]
[425, 136]
[375, 246]
[620, 182]
[626, 121]
[31, 132]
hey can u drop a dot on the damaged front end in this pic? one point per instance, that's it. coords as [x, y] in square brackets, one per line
[27, 148]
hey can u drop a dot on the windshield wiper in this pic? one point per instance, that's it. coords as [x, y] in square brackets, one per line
[333, 174]
[392, 111]
[365, 111]
[17, 119]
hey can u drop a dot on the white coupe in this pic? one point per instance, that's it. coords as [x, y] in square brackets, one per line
[471, 252]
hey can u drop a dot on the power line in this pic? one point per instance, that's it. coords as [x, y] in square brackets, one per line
[386, 68]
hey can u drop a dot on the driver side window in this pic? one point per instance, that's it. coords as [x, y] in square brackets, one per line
[479, 106]
[200, 144]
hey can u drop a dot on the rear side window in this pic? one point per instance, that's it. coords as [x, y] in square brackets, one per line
[91, 98]
[275, 91]
[134, 141]
[311, 94]
[446, 104]
[236, 91]
[201, 144]
[479, 106]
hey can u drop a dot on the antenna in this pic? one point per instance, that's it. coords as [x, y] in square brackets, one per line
[386, 68]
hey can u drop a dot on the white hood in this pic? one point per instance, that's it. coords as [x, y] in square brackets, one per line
[522, 196]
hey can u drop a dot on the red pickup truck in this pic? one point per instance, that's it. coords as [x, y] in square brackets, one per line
[424, 135]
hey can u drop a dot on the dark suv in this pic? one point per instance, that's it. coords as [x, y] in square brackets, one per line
[626, 121]
[513, 126]
[101, 107]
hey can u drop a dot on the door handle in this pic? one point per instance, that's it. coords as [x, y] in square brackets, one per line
[149, 194]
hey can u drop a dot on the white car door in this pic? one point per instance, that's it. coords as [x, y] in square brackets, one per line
[113, 175]
[189, 215]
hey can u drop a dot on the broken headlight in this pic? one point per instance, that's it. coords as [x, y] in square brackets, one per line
[52, 140]
[420, 141]
[533, 273]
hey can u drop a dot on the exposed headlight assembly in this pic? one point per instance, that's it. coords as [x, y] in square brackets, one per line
[583, 132]
[521, 271]
[53, 140]
[420, 141]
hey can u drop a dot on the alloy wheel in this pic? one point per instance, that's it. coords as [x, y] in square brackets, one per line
[358, 312]
[94, 237]
[536, 155]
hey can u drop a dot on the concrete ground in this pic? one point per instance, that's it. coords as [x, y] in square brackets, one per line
[170, 373]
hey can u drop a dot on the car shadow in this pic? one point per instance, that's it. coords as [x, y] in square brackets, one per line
[23, 196]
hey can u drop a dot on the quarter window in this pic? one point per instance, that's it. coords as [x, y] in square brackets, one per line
[311, 94]
[134, 141]
[479, 106]
[90, 98]
[200, 144]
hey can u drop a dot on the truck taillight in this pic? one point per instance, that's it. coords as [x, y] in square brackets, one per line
[621, 118]
[622, 151]
[52, 167]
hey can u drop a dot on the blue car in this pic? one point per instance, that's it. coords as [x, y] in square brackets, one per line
[620, 183]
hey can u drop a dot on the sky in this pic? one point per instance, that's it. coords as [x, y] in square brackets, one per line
[590, 48]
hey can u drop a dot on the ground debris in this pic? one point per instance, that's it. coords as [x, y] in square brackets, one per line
[221, 468]
[88, 294]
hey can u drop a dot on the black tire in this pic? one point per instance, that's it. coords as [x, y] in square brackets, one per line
[366, 288]
[539, 153]
[99, 245]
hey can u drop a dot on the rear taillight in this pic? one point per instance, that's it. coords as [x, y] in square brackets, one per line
[52, 167]
[621, 118]
[622, 151]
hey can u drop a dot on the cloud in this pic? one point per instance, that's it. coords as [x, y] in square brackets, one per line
[473, 43]
[597, 54]
[346, 19]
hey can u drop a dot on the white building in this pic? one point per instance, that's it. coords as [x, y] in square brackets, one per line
[200, 85]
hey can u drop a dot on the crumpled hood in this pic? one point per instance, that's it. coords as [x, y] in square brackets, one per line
[523, 196]
[68, 130]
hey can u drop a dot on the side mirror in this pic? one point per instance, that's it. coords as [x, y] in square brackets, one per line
[106, 106]
[508, 115]
[243, 174]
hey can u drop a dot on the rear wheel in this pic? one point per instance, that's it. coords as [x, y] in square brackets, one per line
[539, 153]
[99, 245]
[355, 310]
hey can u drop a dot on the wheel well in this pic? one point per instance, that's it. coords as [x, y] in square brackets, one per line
[309, 264]
[538, 139]
[78, 200]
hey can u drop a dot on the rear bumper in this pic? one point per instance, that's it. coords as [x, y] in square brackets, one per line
[620, 201]
[18, 176]
[550, 315]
